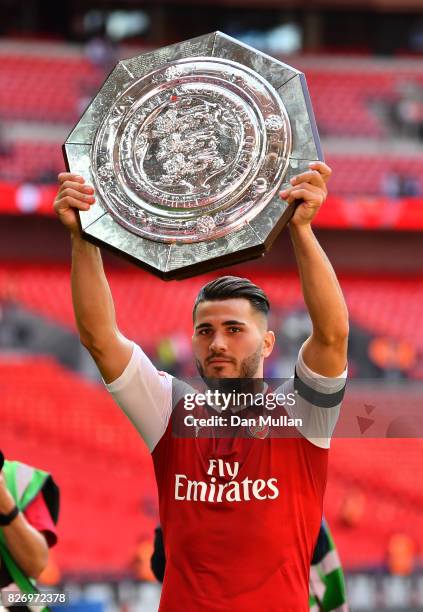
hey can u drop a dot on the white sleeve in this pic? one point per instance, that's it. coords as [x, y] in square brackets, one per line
[145, 396]
[317, 402]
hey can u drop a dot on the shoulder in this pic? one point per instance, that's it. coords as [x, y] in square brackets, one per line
[317, 402]
[320, 391]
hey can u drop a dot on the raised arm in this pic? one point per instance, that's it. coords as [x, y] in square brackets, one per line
[325, 351]
[91, 295]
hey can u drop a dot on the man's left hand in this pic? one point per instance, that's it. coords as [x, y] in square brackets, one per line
[310, 189]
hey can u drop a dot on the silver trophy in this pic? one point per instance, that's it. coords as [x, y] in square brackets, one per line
[187, 148]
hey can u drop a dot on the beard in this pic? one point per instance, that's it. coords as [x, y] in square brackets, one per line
[247, 368]
[242, 381]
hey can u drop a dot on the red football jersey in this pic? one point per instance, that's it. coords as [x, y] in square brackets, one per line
[240, 514]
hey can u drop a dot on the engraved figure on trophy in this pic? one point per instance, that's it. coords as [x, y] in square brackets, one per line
[188, 146]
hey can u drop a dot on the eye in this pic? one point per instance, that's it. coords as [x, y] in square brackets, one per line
[203, 332]
[234, 329]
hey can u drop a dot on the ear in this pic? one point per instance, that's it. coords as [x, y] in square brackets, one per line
[268, 343]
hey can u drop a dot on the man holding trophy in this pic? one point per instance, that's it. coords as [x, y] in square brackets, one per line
[230, 334]
[186, 171]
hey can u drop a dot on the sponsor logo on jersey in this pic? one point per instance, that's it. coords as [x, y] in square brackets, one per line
[230, 490]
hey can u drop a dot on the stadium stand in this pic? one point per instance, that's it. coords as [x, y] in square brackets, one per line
[390, 306]
[389, 498]
[44, 89]
[32, 161]
[346, 102]
[89, 445]
[49, 89]
[353, 174]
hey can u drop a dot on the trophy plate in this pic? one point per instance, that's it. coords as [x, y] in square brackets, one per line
[187, 148]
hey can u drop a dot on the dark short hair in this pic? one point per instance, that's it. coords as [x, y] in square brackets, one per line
[228, 287]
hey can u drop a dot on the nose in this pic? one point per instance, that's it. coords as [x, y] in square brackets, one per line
[218, 344]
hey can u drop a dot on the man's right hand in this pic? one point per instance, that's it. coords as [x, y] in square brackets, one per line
[73, 195]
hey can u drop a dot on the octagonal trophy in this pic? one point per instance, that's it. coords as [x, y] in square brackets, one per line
[187, 148]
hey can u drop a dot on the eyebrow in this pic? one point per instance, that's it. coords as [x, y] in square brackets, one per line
[208, 325]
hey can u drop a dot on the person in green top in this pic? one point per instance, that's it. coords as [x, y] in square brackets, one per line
[29, 508]
[327, 583]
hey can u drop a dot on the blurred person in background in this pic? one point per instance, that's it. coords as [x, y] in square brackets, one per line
[29, 508]
[101, 52]
[5, 144]
[401, 554]
[327, 581]
[269, 521]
